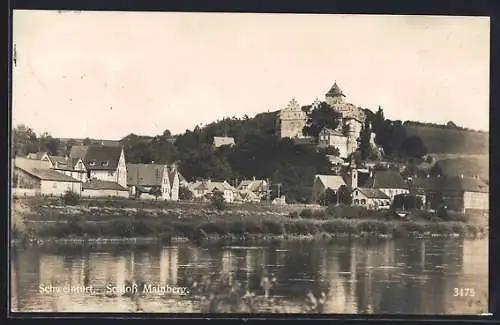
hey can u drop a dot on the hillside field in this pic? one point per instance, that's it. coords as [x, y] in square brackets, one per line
[446, 140]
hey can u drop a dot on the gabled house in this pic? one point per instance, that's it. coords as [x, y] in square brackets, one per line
[149, 181]
[390, 182]
[33, 177]
[370, 198]
[459, 193]
[258, 187]
[175, 182]
[322, 182]
[97, 188]
[333, 138]
[106, 163]
[205, 189]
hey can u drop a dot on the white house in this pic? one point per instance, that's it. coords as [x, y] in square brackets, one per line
[202, 189]
[258, 187]
[333, 138]
[370, 198]
[223, 141]
[34, 178]
[105, 163]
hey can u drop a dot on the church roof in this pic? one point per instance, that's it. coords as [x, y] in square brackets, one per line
[335, 91]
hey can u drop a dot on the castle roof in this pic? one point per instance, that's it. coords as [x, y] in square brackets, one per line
[335, 91]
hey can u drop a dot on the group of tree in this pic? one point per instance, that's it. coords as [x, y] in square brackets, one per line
[392, 137]
[449, 125]
[25, 140]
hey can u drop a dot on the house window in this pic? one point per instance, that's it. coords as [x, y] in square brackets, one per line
[357, 193]
[356, 201]
[104, 163]
[110, 173]
[54, 185]
[363, 201]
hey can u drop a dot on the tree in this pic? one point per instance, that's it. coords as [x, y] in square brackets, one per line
[332, 151]
[155, 191]
[436, 170]
[218, 201]
[344, 195]
[365, 147]
[413, 146]
[185, 194]
[437, 201]
[69, 144]
[323, 116]
[328, 197]
[450, 124]
[398, 202]
[49, 144]
[24, 141]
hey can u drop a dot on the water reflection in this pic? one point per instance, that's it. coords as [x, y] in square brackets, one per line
[376, 276]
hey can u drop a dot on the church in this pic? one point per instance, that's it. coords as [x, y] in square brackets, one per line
[292, 119]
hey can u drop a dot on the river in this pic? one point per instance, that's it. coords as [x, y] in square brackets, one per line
[412, 276]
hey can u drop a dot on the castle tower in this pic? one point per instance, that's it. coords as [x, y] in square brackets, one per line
[352, 137]
[335, 96]
[292, 120]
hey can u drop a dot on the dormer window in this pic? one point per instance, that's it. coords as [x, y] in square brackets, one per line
[104, 163]
[92, 163]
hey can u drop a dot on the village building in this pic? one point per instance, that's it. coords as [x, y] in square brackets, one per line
[32, 177]
[259, 187]
[204, 189]
[370, 198]
[389, 182]
[460, 193]
[98, 188]
[223, 141]
[323, 182]
[149, 181]
[105, 163]
[73, 167]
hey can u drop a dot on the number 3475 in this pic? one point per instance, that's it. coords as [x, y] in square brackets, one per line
[464, 292]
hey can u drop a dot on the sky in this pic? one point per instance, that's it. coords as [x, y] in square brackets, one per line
[108, 74]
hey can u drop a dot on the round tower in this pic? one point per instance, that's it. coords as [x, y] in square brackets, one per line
[350, 133]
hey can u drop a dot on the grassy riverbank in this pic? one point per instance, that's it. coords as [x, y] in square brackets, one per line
[87, 224]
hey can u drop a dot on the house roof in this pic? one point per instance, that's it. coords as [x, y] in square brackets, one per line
[223, 141]
[98, 157]
[145, 174]
[221, 186]
[97, 184]
[64, 163]
[335, 91]
[252, 185]
[453, 183]
[372, 193]
[25, 163]
[387, 179]
[36, 155]
[332, 132]
[248, 195]
[331, 181]
[47, 174]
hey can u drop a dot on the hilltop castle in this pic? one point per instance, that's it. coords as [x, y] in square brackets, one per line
[292, 120]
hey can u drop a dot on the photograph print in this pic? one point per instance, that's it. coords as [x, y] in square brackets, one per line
[249, 163]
